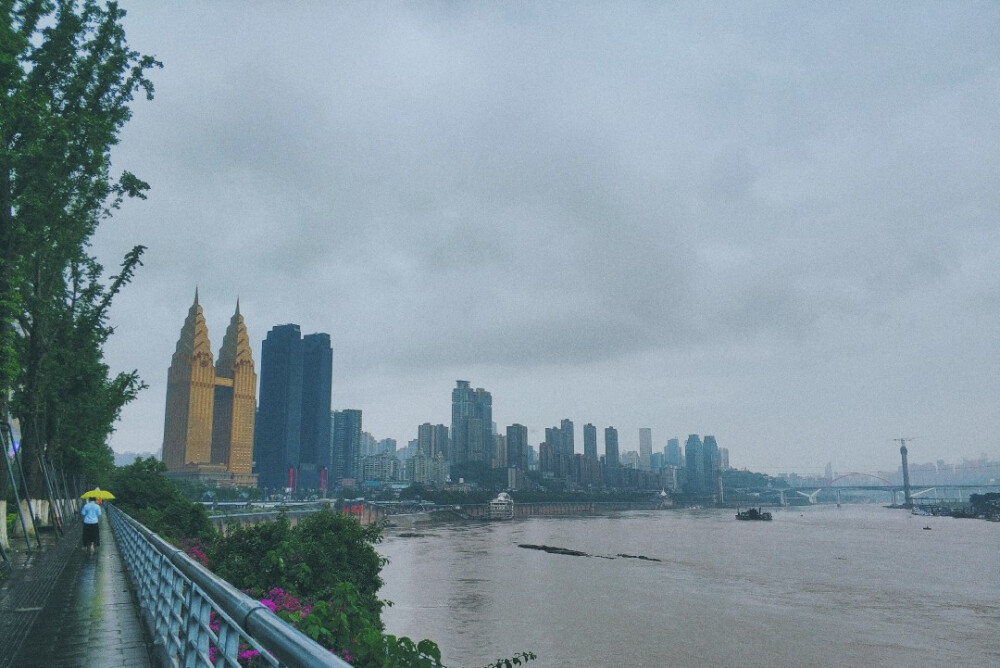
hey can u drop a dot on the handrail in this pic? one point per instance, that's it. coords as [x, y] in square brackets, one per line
[198, 619]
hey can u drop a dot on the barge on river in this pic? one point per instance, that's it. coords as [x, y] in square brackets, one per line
[753, 515]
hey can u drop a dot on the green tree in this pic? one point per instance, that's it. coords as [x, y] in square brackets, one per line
[67, 79]
[143, 491]
[309, 560]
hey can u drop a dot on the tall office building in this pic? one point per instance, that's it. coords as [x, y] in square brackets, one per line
[293, 433]
[645, 448]
[590, 442]
[517, 447]
[317, 379]
[556, 457]
[208, 427]
[673, 452]
[710, 453]
[611, 458]
[568, 437]
[694, 461]
[432, 439]
[346, 445]
[471, 424]
[500, 447]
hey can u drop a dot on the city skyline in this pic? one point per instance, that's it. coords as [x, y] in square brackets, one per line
[773, 224]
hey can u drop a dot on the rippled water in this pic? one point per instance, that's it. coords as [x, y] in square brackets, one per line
[818, 586]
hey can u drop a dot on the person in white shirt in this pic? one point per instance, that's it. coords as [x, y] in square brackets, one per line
[91, 513]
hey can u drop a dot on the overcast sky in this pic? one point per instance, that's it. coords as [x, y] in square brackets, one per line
[778, 223]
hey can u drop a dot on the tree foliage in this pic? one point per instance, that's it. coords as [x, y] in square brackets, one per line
[310, 559]
[67, 79]
[143, 491]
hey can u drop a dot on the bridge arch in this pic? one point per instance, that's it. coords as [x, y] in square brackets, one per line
[867, 475]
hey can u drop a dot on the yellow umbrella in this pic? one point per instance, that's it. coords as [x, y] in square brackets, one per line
[97, 493]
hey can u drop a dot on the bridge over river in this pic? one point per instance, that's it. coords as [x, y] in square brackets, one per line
[850, 486]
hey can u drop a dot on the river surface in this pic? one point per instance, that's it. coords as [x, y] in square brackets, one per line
[818, 586]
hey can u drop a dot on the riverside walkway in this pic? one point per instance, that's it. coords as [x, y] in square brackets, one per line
[63, 607]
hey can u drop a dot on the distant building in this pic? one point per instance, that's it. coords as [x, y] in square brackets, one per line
[555, 457]
[432, 439]
[611, 447]
[517, 447]
[694, 463]
[471, 424]
[317, 375]
[500, 443]
[293, 431]
[673, 453]
[645, 448]
[590, 442]
[383, 467]
[426, 469]
[209, 420]
[710, 452]
[345, 452]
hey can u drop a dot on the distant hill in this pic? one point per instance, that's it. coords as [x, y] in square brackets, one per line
[126, 458]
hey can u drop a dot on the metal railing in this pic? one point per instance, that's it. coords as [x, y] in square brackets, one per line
[197, 619]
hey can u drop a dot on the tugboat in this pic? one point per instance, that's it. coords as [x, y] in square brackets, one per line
[501, 508]
[753, 515]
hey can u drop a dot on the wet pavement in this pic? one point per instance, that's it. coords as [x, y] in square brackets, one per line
[65, 607]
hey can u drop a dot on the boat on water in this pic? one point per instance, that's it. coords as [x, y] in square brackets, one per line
[753, 515]
[501, 508]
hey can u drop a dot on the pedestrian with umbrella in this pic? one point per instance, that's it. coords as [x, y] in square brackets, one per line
[91, 513]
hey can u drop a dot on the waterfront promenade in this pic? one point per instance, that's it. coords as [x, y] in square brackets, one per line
[63, 607]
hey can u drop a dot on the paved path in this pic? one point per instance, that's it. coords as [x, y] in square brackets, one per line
[70, 608]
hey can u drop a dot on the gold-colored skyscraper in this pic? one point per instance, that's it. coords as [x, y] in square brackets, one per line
[209, 419]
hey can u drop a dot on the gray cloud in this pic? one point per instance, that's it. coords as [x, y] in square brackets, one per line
[772, 223]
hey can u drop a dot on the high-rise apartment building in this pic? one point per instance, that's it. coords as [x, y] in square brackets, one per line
[432, 439]
[208, 429]
[471, 424]
[645, 448]
[293, 432]
[710, 453]
[694, 460]
[611, 459]
[517, 447]
[590, 442]
[346, 445]
[555, 458]
[674, 455]
[500, 446]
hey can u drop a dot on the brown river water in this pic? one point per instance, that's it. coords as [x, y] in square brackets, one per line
[818, 586]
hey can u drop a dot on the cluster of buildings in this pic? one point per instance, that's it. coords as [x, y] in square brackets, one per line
[216, 430]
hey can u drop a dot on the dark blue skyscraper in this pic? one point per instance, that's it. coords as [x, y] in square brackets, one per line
[317, 374]
[277, 438]
[292, 436]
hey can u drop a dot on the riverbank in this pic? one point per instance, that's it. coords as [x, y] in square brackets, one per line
[478, 512]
